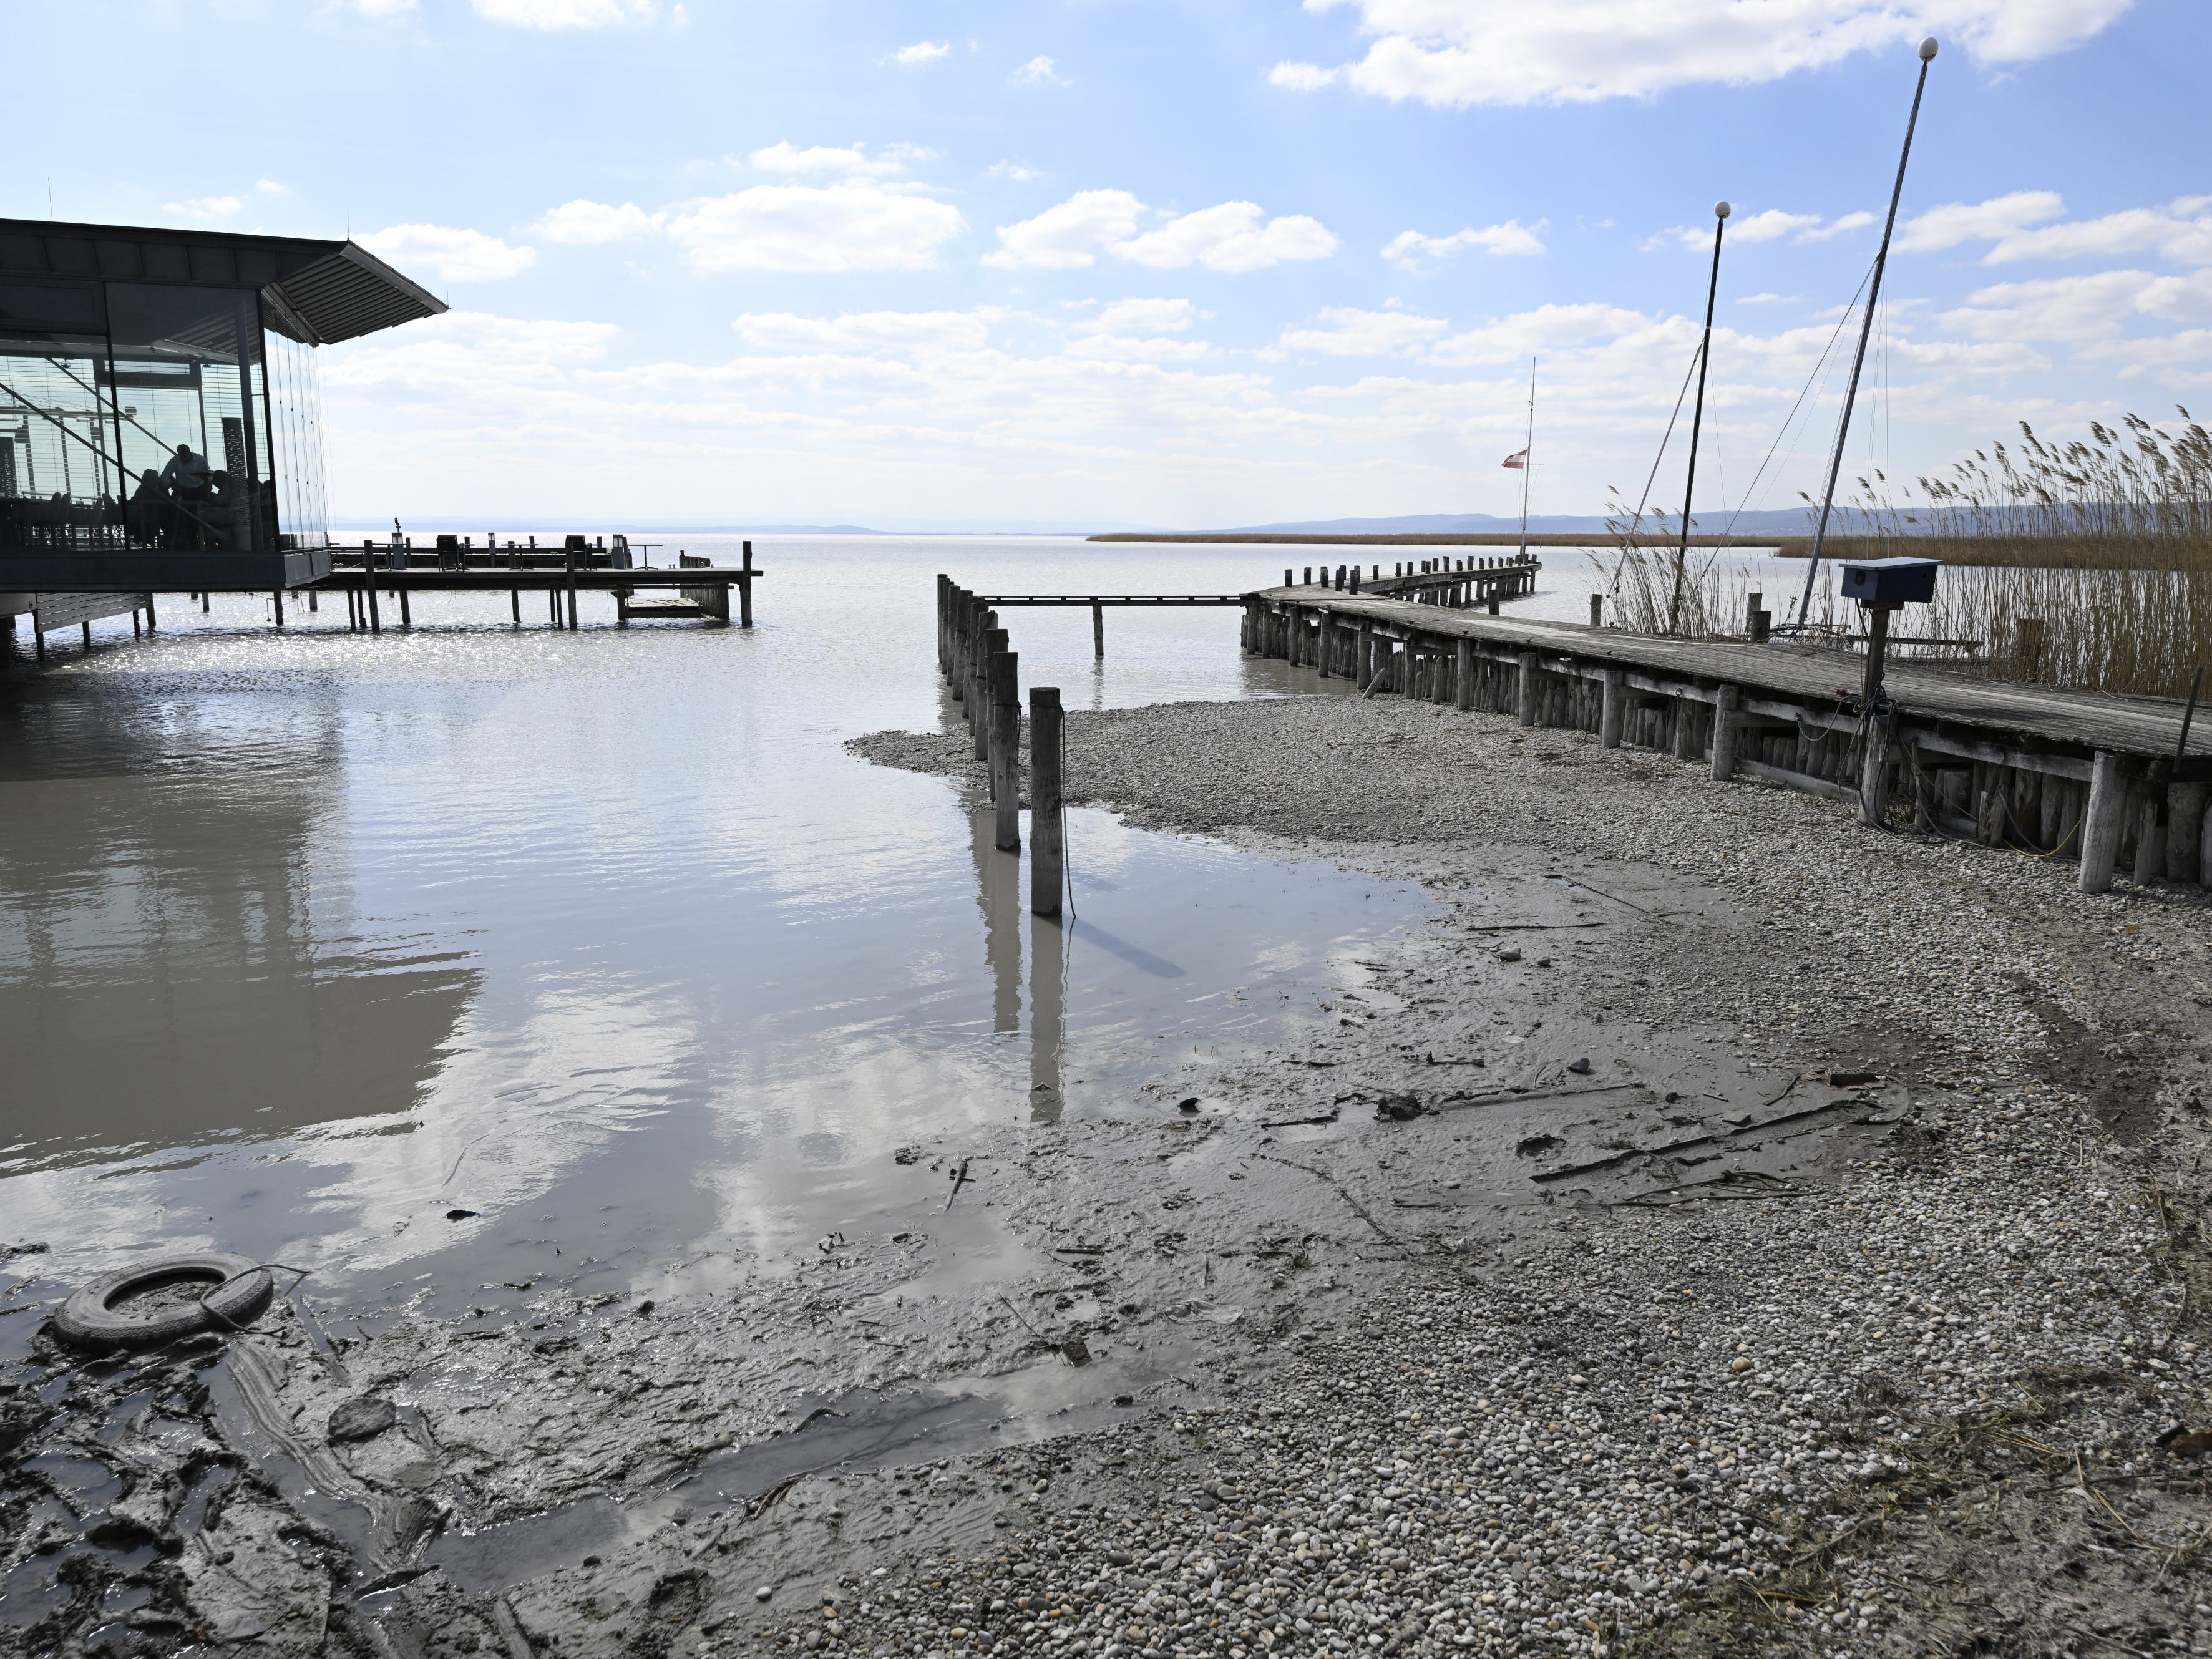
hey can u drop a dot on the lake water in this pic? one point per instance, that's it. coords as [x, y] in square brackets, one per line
[308, 938]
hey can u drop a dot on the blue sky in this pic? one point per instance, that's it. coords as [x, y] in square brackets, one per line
[1113, 261]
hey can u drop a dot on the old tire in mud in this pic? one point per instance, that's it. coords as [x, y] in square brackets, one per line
[235, 1291]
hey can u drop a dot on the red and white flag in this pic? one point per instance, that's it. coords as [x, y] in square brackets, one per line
[1517, 459]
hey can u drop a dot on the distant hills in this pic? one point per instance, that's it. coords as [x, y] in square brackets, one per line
[1781, 521]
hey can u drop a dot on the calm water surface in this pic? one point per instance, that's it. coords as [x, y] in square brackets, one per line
[307, 938]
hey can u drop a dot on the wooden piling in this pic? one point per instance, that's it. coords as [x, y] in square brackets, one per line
[1614, 710]
[1727, 731]
[1006, 750]
[1875, 765]
[278, 596]
[1524, 694]
[1463, 675]
[1597, 611]
[369, 578]
[2101, 823]
[745, 587]
[406, 610]
[2184, 831]
[1048, 826]
[2150, 839]
[1098, 632]
[980, 691]
[568, 561]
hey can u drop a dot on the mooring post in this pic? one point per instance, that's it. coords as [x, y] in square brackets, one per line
[376, 617]
[2150, 838]
[149, 618]
[406, 610]
[1006, 752]
[1463, 675]
[1524, 694]
[2100, 822]
[745, 588]
[1726, 730]
[1597, 611]
[2184, 826]
[1048, 828]
[278, 596]
[571, 562]
[994, 643]
[1493, 601]
[1098, 631]
[1362, 657]
[1685, 747]
[1613, 712]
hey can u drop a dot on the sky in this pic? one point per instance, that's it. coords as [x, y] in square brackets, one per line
[1119, 262]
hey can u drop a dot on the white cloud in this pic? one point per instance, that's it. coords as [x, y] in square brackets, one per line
[1233, 237]
[1550, 327]
[1410, 247]
[581, 222]
[1147, 316]
[2081, 308]
[1768, 300]
[921, 51]
[1766, 226]
[204, 208]
[1961, 222]
[271, 187]
[2181, 232]
[1354, 334]
[1456, 53]
[564, 14]
[907, 330]
[1013, 172]
[1068, 236]
[463, 351]
[784, 156]
[383, 7]
[451, 255]
[853, 225]
[1835, 228]
[1037, 72]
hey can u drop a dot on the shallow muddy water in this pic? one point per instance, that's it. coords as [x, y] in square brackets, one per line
[310, 941]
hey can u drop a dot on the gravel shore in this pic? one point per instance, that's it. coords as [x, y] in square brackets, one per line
[1908, 1401]
[1722, 1229]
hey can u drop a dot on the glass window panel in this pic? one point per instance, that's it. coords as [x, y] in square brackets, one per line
[59, 485]
[188, 390]
[295, 434]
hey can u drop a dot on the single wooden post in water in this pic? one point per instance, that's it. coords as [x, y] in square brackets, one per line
[1048, 828]
[1098, 631]
[376, 617]
[1524, 694]
[149, 617]
[278, 596]
[1597, 611]
[1727, 731]
[406, 611]
[1006, 752]
[1463, 679]
[983, 695]
[745, 587]
[2100, 822]
[1613, 712]
[571, 565]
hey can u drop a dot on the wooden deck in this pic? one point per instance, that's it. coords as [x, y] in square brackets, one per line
[2106, 780]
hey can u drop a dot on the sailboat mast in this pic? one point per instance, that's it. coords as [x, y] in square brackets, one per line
[1527, 458]
[1698, 416]
[1866, 329]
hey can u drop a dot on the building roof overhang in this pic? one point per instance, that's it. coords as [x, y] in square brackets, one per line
[330, 291]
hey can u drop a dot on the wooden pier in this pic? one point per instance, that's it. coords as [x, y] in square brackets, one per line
[2111, 781]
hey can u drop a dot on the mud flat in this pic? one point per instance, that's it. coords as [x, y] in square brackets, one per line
[1724, 1229]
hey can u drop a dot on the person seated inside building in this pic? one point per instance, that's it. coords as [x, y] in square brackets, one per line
[147, 503]
[191, 494]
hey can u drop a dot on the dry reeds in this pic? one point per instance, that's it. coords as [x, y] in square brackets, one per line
[2084, 564]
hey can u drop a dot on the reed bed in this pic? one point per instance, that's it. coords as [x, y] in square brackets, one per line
[2086, 564]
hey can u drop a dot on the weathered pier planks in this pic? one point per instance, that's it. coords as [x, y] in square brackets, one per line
[2104, 780]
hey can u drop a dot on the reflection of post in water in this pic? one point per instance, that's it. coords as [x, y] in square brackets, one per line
[1048, 1017]
[999, 887]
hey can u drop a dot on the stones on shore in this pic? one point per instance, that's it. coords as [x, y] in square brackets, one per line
[362, 1418]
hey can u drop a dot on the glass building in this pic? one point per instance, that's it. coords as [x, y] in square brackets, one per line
[160, 420]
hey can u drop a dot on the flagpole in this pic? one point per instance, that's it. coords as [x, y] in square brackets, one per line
[1851, 391]
[1698, 416]
[1527, 458]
